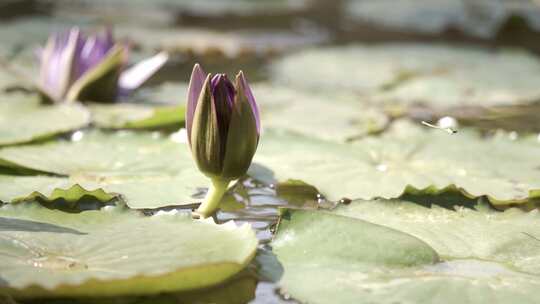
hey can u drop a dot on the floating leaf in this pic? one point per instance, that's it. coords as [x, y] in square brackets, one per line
[132, 116]
[232, 44]
[148, 171]
[344, 256]
[23, 119]
[128, 8]
[240, 289]
[505, 237]
[336, 117]
[115, 252]
[435, 17]
[404, 158]
[168, 93]
[100, 154]
[138, 193]
[21, 188]
[437, 75]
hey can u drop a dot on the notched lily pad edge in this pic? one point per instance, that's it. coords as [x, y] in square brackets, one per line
[528, 203]
[71, 194]
[531, 202]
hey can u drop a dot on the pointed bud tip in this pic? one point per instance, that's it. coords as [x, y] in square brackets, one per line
[197, 68]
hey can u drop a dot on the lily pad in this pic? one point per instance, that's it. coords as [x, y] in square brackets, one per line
[115, 252]
[131, 116]
[461, 233]
[24, 188]
[344, 256]
[481, 19]
[138, 193]
[437, 75]
[233, 44]
[337, 117]
[148, 171]
[206, 7]
[167, 93]
[11, 78]
[405, 158]
[100, 154]
[23, 119]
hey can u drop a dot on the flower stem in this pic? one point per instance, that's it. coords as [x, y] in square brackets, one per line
[213, 197]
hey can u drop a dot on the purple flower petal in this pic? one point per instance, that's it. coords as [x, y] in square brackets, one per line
[92, 51]
[223, 93]
[251, 99]
[58, 61]
[198, 76]
[222, 89]
[136, 75]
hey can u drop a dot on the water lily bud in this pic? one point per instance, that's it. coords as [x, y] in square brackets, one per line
[90, 68]
[222, 123]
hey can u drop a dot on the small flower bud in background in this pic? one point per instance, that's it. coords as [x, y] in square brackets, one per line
[223, 128]
[75, 67]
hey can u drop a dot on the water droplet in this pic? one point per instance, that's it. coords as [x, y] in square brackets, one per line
[447, 122]
[77, 136]
[382, 167]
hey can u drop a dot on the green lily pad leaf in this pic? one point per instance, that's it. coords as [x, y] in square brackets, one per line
[369, 264]
[240, 289]
[23, 119]
[115, 252]
[232, 44]
[435, 17]
[24, 188]
[461, 233]
[16, 75]
[325, 257]
[148, 171]
[406, 158]
[131, 116]
[129, 10]
[436, 75]
[138, 193]
[98, 154]
[168, 93]
[337, 118]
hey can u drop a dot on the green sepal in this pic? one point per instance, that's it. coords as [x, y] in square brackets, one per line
[205, 138]
[100, 84]
[242, 139]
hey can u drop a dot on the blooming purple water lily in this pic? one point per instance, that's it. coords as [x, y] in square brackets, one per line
[76, 67]
[223, 127]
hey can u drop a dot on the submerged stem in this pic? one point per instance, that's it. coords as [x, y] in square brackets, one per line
[213, 197]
